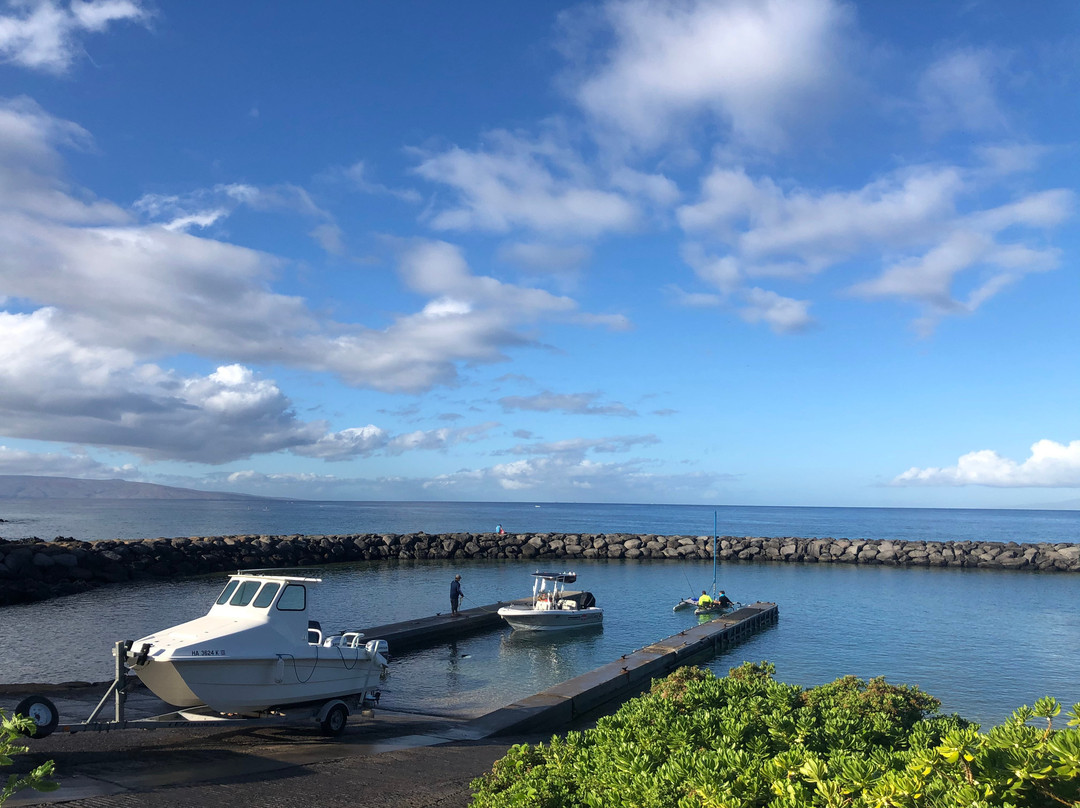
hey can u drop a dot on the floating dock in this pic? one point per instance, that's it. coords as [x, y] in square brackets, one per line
[625, 677]
[572, 699]
[409, 635]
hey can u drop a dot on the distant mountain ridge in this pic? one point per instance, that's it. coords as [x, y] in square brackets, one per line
[25, 486]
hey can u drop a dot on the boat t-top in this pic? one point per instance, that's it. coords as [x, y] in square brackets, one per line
[256, 649]
[552, 606]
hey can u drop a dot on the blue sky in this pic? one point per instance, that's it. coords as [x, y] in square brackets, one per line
[777, 252]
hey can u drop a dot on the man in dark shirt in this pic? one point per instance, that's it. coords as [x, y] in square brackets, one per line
[455, 595]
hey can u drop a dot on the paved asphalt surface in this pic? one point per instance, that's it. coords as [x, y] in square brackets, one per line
[388, 759]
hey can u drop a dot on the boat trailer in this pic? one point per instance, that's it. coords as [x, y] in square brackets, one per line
[331, 715]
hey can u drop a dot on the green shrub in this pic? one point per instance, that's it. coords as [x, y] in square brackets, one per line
[11, 729]
[747, 741]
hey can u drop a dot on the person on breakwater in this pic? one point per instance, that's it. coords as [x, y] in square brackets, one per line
[455, 595]
[499, 530]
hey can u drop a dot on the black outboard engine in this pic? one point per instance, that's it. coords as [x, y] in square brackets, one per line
[586, 600]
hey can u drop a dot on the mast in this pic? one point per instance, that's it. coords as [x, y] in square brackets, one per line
[714, 552]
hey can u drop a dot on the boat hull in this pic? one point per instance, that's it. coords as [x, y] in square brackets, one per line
[255, 685]
[551, 619]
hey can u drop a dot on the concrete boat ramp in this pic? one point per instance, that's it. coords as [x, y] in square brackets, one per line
[107, 768]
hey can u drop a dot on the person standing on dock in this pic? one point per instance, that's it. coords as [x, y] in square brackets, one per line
[455, 595]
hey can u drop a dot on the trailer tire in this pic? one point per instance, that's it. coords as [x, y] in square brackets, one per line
[42, 712]
[336, 719]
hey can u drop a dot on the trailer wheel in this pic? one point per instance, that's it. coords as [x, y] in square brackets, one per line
[336, 719]
[42, 712]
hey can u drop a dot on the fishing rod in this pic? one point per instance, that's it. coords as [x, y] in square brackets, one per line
[479, 606]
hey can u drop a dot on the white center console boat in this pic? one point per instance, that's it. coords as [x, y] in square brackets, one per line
[552, 607]
[256, 649]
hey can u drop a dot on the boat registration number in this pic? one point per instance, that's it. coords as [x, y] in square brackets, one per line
[208, 652]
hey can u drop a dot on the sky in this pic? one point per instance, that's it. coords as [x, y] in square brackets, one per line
[730, 252]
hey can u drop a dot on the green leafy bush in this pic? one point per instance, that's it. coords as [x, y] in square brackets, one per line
[11, 729]
[746, 740]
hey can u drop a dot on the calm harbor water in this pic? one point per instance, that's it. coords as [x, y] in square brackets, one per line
[984, 642]
[91, 519]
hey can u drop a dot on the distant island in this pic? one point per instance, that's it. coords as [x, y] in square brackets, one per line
[25, 486]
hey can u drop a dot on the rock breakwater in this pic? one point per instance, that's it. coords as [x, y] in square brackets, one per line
[32, 570]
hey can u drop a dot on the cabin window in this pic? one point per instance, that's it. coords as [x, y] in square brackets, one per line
[266, 595]
[293, 598]
[244, 593]
[228, 590]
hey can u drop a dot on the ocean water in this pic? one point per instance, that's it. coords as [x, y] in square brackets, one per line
[983, 641]
[137, 519]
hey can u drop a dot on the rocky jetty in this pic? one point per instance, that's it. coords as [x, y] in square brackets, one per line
[32, 570]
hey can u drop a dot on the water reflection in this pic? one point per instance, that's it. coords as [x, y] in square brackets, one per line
[551, 655]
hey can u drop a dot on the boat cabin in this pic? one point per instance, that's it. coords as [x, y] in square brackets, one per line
[279, 600]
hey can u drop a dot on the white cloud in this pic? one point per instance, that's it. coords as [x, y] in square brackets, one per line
[912, 219]
[763, 222]
[720, 272]
[53, 464]
[957, 92]
[54, 388]
[571, 477]
[45, 35]
[438, 439]
[548, 258]
[1051, 465]
[568, 403]
[581, 446]
[175, 291]
[783, 315]
[754, 67]
[347, 444]
[207, 206]
[654, 187]
[693, 300]
[356, 176]
[517, 183]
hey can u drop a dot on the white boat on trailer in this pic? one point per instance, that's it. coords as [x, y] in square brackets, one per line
[554, 608]
[255, 655]
[256, 649]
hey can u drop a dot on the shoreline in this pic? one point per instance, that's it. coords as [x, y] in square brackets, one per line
[32, 570]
